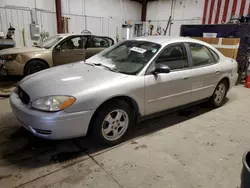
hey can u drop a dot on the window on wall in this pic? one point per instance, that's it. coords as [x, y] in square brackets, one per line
[200, 55]
[174, 57]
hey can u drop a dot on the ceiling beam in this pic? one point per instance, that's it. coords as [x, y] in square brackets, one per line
[144, 4]
[140, 1]
[59, 16]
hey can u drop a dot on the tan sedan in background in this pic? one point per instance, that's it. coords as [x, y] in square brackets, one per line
[57, 50]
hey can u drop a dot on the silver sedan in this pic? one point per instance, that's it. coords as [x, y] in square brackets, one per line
[112, 90]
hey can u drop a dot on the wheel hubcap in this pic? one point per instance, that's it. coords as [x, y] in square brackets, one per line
[115, 125]
[220, 93]
[36, 69]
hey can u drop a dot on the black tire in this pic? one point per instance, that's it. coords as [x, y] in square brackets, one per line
[99, 122]
[34, 66]
[214, 102]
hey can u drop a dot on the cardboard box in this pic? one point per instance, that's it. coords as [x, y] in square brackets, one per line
[227, 46]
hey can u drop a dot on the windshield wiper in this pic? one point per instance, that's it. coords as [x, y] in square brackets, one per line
[107, 67]
[91, 64]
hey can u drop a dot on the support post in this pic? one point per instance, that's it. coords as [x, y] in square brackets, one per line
[59, 16]
[144, 10]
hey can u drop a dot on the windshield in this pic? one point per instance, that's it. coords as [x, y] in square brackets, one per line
[128, 57]
[49, 42]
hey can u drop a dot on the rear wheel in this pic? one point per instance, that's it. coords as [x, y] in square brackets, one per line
[220, 94]
[34, 66]
[112, 122]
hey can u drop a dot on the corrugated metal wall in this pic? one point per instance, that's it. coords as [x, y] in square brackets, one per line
[20, 18]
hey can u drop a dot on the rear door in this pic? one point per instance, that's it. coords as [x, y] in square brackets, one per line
[205, 71]
[96, 44]
[70, 50]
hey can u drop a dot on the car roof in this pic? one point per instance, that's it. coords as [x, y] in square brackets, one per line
[73, 34]
[64, 35]
[163, 40]
[166, 40]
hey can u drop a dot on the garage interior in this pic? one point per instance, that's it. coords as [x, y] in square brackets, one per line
[196, 146]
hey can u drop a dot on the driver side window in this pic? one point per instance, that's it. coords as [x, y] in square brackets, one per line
[100, 42]
[174, 56]
[74, 43]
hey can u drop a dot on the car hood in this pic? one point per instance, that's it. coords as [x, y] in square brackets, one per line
[70, 79]
[19, 50]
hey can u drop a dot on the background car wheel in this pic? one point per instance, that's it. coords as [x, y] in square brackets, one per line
[220, 94]
[34, 66]
[112, 121]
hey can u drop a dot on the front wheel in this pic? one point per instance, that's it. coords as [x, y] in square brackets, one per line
[219, 95]
[112, 122]
[34, 66]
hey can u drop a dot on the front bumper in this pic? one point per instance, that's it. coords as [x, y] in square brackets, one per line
[13, 68]
[51, 125]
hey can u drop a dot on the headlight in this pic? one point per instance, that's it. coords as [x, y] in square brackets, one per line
[53, 103]
[9, 57]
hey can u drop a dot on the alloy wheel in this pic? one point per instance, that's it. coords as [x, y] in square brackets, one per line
[220, 93]
[115, 125]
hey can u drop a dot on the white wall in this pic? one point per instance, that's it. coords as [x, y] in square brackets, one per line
[184, 12]
[101, 17]
[104, 17]
[19, 17]
[42, 4]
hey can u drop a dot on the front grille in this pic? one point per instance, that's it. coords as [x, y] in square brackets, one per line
[23, 96]
[45, 132]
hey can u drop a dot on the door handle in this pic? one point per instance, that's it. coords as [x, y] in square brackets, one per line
[79, 53]
[185, 78]
[217, 72]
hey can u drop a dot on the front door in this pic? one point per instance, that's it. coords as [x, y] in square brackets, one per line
[166, 91]
[96, 44]
[206, 71]
[70, 50]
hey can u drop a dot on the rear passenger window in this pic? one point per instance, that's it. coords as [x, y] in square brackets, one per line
[215, 55]
[200, 55]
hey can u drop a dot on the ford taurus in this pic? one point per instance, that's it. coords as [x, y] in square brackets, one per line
[112, 90]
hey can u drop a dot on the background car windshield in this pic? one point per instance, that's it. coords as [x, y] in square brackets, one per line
[128, 57]
[49, 42]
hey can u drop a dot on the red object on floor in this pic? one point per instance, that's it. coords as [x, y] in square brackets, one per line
[247, 82]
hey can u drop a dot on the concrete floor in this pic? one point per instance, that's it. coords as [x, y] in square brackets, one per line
[196, 147]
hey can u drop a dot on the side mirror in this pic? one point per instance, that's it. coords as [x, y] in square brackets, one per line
[161, 68]
[58, 47]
